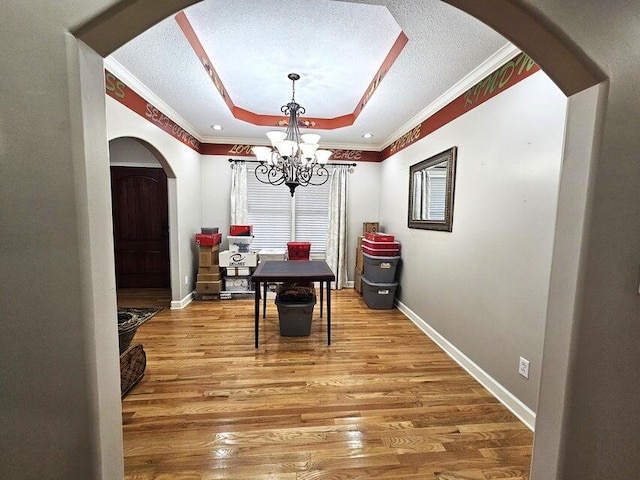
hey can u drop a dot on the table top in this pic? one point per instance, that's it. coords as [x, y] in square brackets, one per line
[290, 270]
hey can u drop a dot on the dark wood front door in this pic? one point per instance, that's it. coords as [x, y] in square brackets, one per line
[140, 227]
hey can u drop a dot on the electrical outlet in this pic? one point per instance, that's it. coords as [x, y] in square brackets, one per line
[523, 367]
[186, 279]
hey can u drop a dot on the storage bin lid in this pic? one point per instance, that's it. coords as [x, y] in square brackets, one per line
[373, 284]
[381, 258]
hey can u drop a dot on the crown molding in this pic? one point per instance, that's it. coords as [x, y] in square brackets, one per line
[141, 89]
[477, 74]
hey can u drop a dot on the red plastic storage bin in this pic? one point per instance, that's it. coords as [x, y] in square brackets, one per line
[298, 250]
[380, 245]
[208, 240]
[380, 253]
[379, 237]
[241, 230]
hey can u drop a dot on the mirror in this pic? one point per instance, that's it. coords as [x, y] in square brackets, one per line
[431, 188]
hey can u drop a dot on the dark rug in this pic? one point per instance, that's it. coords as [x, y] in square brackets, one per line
[129, 320]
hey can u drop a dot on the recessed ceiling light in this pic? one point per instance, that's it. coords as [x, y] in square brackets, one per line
[367, 135]
[217, 127]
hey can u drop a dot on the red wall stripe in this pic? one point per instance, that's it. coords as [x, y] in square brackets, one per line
[117, 90]
[512, 72]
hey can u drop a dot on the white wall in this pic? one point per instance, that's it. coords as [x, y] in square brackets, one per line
[183, 168]
[484, 285]
[364, 184]
[128, 152]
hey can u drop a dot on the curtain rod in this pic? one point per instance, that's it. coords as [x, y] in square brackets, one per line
[236, 160]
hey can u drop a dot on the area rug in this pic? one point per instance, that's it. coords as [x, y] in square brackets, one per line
[129, 320]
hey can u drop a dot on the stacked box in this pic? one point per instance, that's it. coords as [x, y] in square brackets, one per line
[368, 227]
[357, 279]
[238, 259]
[208, 282]
[378, 296]
[241, 230]
[380, 258]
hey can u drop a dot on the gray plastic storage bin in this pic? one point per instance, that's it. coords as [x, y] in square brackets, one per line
[380, 269]
[378, 296]
[295, 318]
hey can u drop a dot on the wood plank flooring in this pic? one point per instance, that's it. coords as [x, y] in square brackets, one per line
[382, 402]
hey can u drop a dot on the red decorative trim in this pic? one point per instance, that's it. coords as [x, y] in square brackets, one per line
[241, 150]
[117, 90]
[278, 120]
[194, 41]
[512, 72]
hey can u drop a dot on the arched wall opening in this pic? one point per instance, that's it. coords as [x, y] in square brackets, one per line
[575, 74]
[137, 152]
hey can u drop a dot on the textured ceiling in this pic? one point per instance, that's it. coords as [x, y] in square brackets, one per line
[335, 46]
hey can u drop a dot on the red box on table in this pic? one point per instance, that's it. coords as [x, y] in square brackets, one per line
[208, 240]
[241, 230]
[298, 250]
[379, 237]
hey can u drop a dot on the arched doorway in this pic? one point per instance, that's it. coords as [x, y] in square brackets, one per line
[532, 23]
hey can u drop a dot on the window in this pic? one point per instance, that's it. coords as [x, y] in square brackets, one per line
[277, 218]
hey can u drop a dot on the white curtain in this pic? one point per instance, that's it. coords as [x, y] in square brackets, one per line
[337, 231]
[239, 210]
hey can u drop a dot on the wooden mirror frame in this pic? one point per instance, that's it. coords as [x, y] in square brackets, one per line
[448, 156]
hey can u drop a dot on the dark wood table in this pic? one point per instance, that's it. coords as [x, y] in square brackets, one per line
[292, 271]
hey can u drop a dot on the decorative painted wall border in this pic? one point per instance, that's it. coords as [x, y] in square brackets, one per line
[117, 90]
[509, 74]
[512, 72]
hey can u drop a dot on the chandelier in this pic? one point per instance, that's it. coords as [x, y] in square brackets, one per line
[295, 159]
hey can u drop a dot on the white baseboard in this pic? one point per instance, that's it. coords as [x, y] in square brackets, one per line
[519, 409]
[349, 284]
[180, 304]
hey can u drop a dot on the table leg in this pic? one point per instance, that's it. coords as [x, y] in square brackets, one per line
[257, 311]
[328, 312]
[321, 294]
[264, 299]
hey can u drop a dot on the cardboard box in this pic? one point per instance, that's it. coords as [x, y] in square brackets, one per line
[357, 281]
[208, 259]
[209, 248]
[208, 277]
[208, 287]
[238, 271]
[370, 227]
[359, 259]
[238, 259]
[212, 270]
[359, 242]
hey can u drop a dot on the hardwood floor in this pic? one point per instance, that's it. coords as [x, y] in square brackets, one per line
[382, 402]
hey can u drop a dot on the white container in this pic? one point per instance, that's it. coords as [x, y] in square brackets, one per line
[267, 254]
[237, 284]
[238, 259]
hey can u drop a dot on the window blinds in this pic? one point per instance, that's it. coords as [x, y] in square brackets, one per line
[278, 219]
